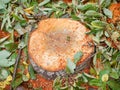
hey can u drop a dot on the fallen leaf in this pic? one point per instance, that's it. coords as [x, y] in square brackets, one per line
[29, 10]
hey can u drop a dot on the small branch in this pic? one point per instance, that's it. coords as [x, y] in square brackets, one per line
[100, 9]
[15, 67]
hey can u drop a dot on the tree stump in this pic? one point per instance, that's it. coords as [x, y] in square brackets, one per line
[56, 40]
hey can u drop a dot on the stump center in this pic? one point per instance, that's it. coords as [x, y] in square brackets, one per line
[60, 40]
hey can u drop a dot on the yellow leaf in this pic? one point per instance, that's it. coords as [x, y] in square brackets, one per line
[29, 10]
[105, 78]
[6, 82]
[28, 75]
[9, 78]
[2, 85]
[25, 63]
[11, 69]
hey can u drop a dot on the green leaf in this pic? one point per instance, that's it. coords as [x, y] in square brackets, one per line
[107, 12]
[88, 6]
[63, 5]
[23, 22]
[79, 75]
[77, 56]
[64, 88]
[19, 29]
[3, 22]
[108, 43]
[59, 13]
[25, 78]
[3, 3]
[44, 2]
[88, 75]
[118, 57]
[114, 74]
[107, 66]
[98, 24]
[95, 82]
[3, 39]
[26, 48]
[84, 78]
[6, 62]
[106, 34]
[17, 82]
[11, 46]
[103, 72]
[31, 71]
[97, 40]
[14, 55]
[79, 88]
[107, 56]
[21, 44]
[8, 24]
[3, 74]
[70, 66]
[101, 1]
[103, 87]
[74, 17]
[92, 13]
[2, 11]
[93, 71]
[57, 84]
[56, 81]
[105, 3]
[4, 54]
[114, 85]
[16, 17]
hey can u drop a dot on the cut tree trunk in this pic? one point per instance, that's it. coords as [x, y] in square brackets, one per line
[56, 40]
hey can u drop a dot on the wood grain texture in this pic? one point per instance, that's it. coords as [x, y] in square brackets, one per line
[49, 48]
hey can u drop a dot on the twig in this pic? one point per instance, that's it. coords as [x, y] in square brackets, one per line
[15, 67]
[99, 6]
